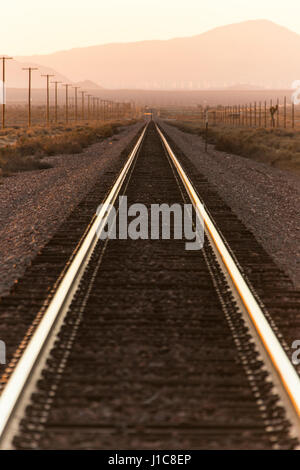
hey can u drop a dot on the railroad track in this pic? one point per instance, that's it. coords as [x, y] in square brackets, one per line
[142, 344]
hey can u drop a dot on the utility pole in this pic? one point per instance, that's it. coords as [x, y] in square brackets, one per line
[103, 109]
[98, 109]
[30, 69]
[206, 128]
[3, 58]
[48, 97]
[89, 107]
[56, 83]
[76, 88]
[82, 104]
[106, 109]
[67, 85]
[94, 107]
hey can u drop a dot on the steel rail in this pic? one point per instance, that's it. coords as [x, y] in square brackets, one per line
[56, 310]
[286, 373]
[34, 357]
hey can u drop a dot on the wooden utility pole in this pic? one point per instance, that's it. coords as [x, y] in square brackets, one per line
[89, 107]
[98, 109]
[3, 58]
[94, 107]
[30, 69]
[105, 110]
[82, 104]
[76, 88]
[48, 97]
[206, 129]
[67, 85]
[259, 119]
[56, 101]
[101, 110]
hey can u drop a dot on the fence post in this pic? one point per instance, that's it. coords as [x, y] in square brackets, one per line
[285, 112]
[265, 114]
[206, 130]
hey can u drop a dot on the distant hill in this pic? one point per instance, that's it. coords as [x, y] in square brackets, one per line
[89, 85]
[18, 78]
[257, 51]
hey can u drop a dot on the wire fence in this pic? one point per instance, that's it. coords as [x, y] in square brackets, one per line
[262, 114]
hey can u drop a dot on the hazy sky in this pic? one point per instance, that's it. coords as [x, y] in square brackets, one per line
[42, 26]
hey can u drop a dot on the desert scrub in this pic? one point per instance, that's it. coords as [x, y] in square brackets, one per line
[13, 162]
[277, 147]
[28, 146]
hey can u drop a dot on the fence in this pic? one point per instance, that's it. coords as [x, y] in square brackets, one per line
[256, 115]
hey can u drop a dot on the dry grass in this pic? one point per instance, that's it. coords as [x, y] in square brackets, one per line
[23, 149]
[277, 147]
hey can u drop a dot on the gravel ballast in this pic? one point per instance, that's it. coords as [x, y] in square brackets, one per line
[34, 204]
[265, 199]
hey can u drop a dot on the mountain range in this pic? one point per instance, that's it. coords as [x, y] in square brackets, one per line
[255, 53]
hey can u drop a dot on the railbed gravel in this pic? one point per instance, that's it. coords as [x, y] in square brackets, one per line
[265, 199]
[34, 204]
